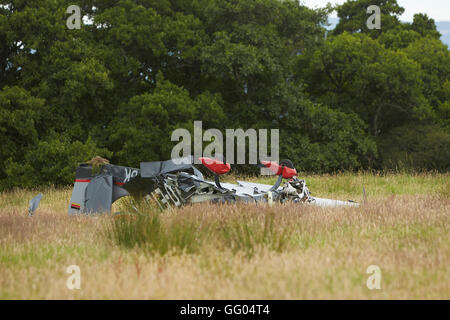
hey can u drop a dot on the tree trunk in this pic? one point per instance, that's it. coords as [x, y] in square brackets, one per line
[375, 121]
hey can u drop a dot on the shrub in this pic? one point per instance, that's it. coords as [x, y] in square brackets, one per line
[416, 147]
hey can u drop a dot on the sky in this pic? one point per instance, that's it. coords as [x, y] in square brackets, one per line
[439, 10]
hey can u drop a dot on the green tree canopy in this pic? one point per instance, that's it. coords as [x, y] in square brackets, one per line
[121, 84]
[353, 16]
[356, 74]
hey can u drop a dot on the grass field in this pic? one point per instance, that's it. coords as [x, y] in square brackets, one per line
[237, 251]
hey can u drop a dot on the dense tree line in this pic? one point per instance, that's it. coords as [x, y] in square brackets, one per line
[349, 99]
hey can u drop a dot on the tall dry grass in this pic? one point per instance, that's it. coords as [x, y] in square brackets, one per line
[236, 251]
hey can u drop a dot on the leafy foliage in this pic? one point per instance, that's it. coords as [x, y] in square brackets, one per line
[51, 162]
[354, 73]
[121, 84]
[417, 147]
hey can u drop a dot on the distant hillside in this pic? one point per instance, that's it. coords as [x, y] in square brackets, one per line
[442, 26]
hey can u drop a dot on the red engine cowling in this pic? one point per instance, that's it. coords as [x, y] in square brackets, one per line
[287, 173]
[216, 166]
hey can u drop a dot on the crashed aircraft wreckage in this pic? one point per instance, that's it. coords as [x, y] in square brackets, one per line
[174, 183]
